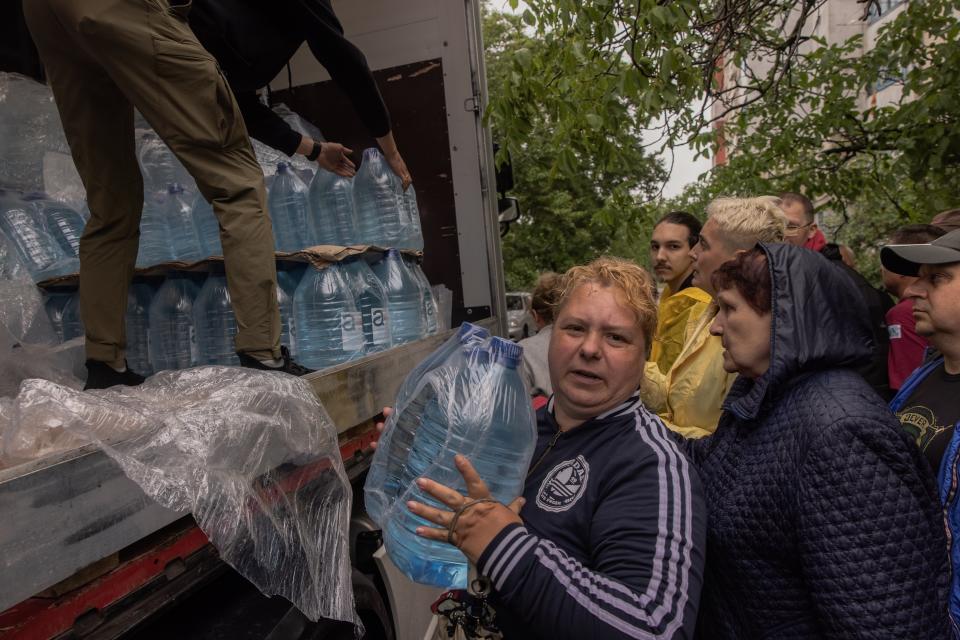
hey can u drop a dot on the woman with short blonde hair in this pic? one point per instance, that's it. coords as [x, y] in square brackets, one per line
[607, 539]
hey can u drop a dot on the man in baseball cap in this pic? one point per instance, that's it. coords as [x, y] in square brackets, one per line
[928, 404]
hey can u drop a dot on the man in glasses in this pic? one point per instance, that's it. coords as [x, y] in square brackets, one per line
[802, 228]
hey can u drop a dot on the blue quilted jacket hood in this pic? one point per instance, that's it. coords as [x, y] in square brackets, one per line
[820, 322]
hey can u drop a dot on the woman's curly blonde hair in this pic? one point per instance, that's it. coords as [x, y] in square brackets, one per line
[630, 279]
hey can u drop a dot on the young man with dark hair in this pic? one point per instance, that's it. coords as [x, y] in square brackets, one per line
[673, 237]
[906, 346]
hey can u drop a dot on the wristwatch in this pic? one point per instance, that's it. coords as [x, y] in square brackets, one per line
[315, 152]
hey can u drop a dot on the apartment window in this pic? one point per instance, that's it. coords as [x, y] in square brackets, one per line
[881, 8]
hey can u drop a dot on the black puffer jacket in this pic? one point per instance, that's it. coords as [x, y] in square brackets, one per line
[823, 520]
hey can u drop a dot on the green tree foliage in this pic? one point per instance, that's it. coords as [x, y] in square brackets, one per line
[575, 201]
[797, 121]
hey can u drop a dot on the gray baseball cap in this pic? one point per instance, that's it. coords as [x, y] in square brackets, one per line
[906, 259]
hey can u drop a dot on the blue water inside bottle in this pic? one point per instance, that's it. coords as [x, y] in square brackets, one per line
[412, 233]
[54, 304]
[155, 243]
[493, 427]
[289, 210]
[377, 201]
[430, 312]
[287, 281]
[372, 302]
[138, 328]
[63, 223]
[24, 224]
[70, 320]
[208, 229]
[328, 325]
[178, 213]
[216, 326]
[173, 340]
[383, 480]
[331, 205]
[404, 298]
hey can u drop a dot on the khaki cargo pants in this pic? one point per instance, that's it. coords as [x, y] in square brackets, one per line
[105, 57]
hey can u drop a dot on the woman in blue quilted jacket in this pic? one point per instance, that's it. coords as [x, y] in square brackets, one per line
[823, 519]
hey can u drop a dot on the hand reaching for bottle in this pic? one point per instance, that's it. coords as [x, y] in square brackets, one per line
[380, 425]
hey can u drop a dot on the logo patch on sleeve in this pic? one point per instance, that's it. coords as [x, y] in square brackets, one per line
[894, 331]
[564, 485]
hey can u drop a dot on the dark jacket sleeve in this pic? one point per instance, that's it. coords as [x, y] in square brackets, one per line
[646, 567]
[345, 63]
[873, 551]
[265, 125]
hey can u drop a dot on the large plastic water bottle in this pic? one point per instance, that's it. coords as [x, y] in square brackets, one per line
[430, 311]
[24, 225]
[55, 304]
[178, 213]
[70, 320]
[404, 299]
[138, 328]
[328, 325]
[493, 426]
[289, 210]
[377, 198]
[208, 229]
[215, 323]
[155, 244]
[158, 165]
[173, 340]
[383, 480]
[286, 288]
[63, 223]
[331, 202]
[413, 233]
[372, 301]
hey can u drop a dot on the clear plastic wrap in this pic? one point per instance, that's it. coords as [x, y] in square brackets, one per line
[29, 128]
[21, 306]
[253, 455]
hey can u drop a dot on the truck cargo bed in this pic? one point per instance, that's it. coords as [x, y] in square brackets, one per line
[67, 512]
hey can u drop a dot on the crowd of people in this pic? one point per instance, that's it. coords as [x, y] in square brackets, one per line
[726, 461]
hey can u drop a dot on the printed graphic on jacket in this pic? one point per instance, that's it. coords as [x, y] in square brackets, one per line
[564, 485]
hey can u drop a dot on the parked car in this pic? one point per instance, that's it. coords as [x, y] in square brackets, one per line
[520, 320]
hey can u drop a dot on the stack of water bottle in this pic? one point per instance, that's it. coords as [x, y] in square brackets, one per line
[330, 315]
[45, 233]
[467, 398]
[178, 224]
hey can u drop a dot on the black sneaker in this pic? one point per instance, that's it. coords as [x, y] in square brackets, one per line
[289, 366]
[100, 375]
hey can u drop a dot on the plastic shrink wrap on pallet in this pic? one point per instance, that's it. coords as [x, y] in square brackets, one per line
[253, 455]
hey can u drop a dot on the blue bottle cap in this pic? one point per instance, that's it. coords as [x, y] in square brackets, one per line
[469, 332]
[282, 167]
[506, 352]
[393, 253]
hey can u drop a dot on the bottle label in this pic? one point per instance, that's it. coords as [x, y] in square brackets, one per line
[381, 328]
[351, 331]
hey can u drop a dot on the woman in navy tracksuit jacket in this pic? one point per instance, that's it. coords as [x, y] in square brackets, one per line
[609, 542]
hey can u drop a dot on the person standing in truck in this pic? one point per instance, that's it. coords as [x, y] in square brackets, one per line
[252, 42]
[102, 59]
